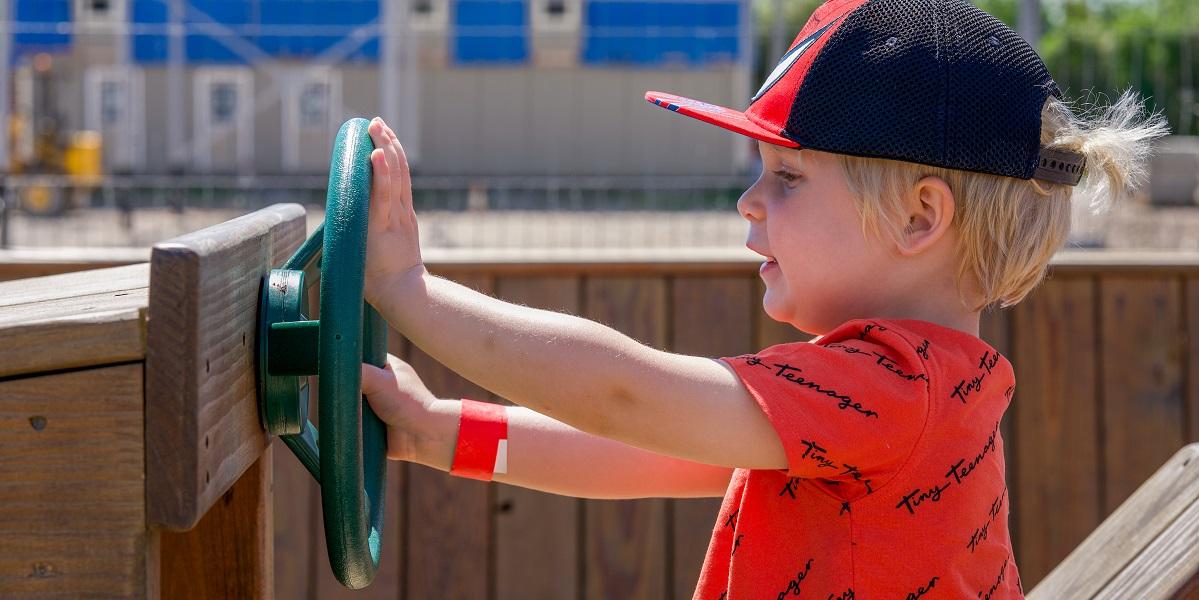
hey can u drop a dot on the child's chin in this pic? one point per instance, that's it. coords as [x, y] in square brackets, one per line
[774, 309]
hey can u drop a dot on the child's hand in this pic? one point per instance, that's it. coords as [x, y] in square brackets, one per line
[403, 402]
[392, 244]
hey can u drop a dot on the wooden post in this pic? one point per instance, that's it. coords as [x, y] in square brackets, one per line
[201, 400]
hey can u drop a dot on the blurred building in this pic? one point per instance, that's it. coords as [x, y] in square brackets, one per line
[478, 87]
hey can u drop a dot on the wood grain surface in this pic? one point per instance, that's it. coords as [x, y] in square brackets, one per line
[1055, 408]
[21, 263]
[1150, 536]
[73, 320]
[201, 402]
[535, 532]
[696, 303]
[625, 540]
[1142, 379]
[449, 518]
[230, 552]
[72, 492]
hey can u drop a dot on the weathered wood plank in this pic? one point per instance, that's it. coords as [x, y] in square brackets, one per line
[73, 285]
[1165, 567]
[698, 303]
[201, 399]
[1091, 569]
[739, 260]
[72, 517]
[230, 552]
[449, 518]
[1192, 367]
[1142, 348]
[456, 262]
[22, 263]
[74, 320]
[625, 540]
[1055, 494]
[69, 333]
[536, 534]
[296, 505]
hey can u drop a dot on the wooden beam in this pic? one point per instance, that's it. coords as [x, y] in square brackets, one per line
[74, 320]
[1160, 514]
[202, 428]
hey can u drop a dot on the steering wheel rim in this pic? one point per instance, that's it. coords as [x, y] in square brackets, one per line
[353, 445]
[349, 460]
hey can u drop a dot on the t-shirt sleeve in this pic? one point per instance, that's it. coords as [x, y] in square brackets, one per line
[847, 411]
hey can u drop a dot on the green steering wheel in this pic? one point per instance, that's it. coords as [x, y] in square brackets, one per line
[349, 458]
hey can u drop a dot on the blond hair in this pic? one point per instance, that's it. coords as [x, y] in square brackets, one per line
[1009, 228]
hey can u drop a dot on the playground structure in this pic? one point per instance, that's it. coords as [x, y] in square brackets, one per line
[169, 488]
[135, 403]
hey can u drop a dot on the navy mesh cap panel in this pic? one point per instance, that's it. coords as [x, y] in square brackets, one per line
[937, 82]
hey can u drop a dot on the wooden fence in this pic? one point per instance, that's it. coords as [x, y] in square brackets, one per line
[1107, 390]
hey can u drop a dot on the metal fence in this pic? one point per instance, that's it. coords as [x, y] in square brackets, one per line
[454, 212]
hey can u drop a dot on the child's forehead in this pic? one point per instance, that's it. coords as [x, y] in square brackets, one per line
[789, 156]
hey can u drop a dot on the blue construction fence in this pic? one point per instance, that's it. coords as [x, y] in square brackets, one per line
[481, 32]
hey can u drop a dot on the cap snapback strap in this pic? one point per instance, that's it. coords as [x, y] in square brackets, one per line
[1060, 166]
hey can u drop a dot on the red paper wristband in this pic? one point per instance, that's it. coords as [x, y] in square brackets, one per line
[482, 448]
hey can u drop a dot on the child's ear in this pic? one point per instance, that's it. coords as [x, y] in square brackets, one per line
[930, 209]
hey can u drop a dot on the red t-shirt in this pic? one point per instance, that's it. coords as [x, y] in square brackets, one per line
[895, 484]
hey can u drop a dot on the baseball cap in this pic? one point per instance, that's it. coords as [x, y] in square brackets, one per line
[936, 82]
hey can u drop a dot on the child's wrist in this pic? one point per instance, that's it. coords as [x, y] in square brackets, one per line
[437, 434]
[389, 287]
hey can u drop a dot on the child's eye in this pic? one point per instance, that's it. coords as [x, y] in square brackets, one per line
[786, 176]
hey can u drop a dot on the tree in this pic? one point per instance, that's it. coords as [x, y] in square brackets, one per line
[1093, 48]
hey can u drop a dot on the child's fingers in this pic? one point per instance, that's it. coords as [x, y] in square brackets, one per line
[402, 182]
[404, 192]
[377, 379]
[381, 190]
[376, 383]
[393, 157]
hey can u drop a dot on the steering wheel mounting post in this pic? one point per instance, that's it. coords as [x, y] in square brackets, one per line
[348, 458]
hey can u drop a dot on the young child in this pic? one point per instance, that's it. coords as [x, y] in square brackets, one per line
[918, 165]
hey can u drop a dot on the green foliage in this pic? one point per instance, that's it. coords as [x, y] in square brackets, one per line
[1094, 48]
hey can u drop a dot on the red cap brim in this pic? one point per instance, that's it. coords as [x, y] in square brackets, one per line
[733, 120]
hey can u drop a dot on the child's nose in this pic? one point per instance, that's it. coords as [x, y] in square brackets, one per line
[749, 205]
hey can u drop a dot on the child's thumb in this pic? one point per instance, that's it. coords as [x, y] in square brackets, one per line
[376, 380]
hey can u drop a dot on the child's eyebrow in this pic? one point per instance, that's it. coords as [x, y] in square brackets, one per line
[792, 160]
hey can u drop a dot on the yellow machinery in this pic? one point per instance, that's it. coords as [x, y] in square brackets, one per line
[55, 170]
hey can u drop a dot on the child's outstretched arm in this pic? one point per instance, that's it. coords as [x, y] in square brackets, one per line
[547, 455]
[576, 371]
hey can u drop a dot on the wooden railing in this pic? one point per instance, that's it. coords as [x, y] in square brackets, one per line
[1107, 390]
